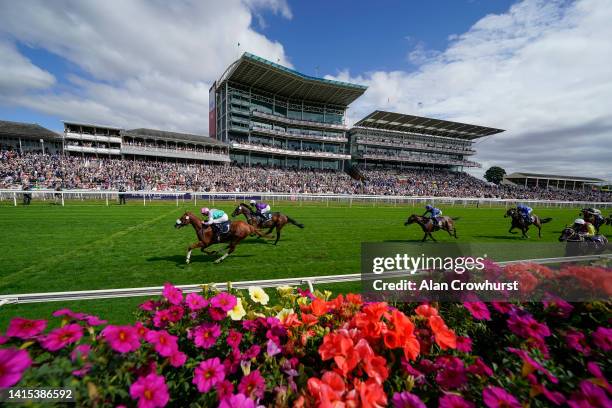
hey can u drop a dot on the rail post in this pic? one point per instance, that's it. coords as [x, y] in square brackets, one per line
[106, 196]
[195, 200]
[62, 199]
[177, 200]
[144, 199]
[15, 199]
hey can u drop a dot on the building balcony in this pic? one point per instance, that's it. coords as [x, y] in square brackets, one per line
[298, 122]
[418, 159]
[93, 138]
[284, 134]
[286, 152]
[174, 153]
[95, 150]
[415, 146]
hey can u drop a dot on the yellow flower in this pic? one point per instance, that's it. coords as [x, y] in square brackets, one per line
[258, 295]
[284, 291]
[238, 312]
[282, 315]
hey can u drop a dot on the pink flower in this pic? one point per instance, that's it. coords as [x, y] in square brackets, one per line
[206, 335]
[234, 338]
[524, 325]
[502, 307]
[534, 365]
[577, 341]
[223, 301]
[25, 328]
[464, 344]
[13, 363]
[69, 313]
[602, 337]
[589, 396]
[60, 338]
[252, 385]
[94, 320]
[237, 401]
[173, 294]
[122, 339]
[216, 314]
[478, 310]
[451, 372]
[81, 351]
[196, 302]
[140, 330]
[555, 306]
[496, 397]
[480, 368]
[454, 401]
[406, 400]
[208, 374]
[224, 389]
[177, 359]
[150, 391]
[164, 343]
[272, 348]
[148, 306]
[161, 318]
[3, 339]
[175, 313]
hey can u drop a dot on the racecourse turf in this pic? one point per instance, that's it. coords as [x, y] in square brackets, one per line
[88, 245]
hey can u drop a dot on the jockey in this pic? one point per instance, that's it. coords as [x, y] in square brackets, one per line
[215, 218]
[595, 213]
[435, 213]
[586, 229]
[262, 209]
[525, 212]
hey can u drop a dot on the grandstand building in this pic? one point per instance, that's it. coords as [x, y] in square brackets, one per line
[29, 137]
[272, 115]
[552, 181]
[89, 139]
[395, 140]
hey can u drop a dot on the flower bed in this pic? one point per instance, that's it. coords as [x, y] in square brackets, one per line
[237, 349]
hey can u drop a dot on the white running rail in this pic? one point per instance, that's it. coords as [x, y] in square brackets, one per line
[267, 283]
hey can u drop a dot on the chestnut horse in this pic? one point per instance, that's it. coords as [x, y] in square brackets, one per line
[277, 220]
[427, 225]
[239, 230]
[518, 221]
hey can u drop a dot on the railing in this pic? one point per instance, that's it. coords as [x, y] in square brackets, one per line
[90, 149]
[418, 159]
[184, 154]
[97, 138]
[414, 145]
[289, 135]
[11, 196]
[267, 283]
[310, 123]
[299, 153]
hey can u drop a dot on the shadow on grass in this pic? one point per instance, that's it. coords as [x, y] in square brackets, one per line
[515, 237]
[179, 260]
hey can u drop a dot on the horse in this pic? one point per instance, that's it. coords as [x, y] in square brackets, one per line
[597, 222]
[277, 220]
[578, 245]
[238, 231]
[427, 225]
[518, 221]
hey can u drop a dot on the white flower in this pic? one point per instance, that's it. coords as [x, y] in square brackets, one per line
[258, 295]
[238, 312]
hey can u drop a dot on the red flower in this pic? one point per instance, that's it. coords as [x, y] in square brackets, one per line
[445, 337]
[426, 311]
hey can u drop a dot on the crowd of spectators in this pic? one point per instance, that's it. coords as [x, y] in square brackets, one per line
[73, 172]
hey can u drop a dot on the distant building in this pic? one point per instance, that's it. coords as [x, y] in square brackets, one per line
[552, 181]
[90, 139]
[395, 140]
[29, 137]
[273, 115]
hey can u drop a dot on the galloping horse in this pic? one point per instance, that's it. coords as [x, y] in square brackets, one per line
[518, 221]
[578, 245]
[596, 221]
[239, 230]
[444, 223]
[277, 220]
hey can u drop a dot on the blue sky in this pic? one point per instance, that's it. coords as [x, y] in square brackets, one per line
[537, 68]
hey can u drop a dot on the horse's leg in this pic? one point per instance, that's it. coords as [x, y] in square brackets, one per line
[230, 248]
[539, 226]
[191, 248]
[425, 237]
[432, 238]
[278, 232]
[511, 228]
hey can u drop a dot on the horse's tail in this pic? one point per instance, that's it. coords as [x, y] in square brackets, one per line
[545, 220]
[294, 222]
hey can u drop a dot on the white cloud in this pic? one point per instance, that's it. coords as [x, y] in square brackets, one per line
[17, 73]
[540, 70]
[143, 63]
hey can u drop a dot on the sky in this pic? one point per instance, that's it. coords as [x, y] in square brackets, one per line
[541, 69]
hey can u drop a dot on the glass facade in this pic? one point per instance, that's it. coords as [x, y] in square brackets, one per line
[264, 129]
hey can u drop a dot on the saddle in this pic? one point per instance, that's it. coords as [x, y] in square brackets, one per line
[265, 217]
[220, 230]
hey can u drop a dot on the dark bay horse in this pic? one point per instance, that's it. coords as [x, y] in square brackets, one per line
[579, 245]
[277, 220]
[239, 230]
[597, 222]
[518, 221]
[427, 225]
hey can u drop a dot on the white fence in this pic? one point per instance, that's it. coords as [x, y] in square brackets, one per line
[46, 297]
[14, 197]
